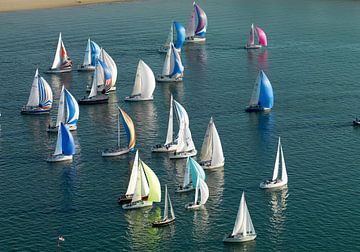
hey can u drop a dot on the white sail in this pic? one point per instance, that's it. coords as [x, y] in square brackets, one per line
[34, 92]
[190, 30]
[166, 210]
[138, 186]
[217, 151]
[187, 173]
[185, 142]
[58, 148]
[137, 85]
[276, 166]
[197, 188]
[284, 177]
[144, 81]
[87, 56]
[171, 208]
[57, 58]
[133, 177]
[243, 223]
[111, 64]
[61, 108]
[170, 36]
[98, 79]
[207, 146]
[144, 183]
[204, 191]
[167, 63]
[256, 92]
[169, 136]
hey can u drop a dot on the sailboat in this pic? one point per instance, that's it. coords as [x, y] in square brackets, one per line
[192, 171]
[170, 144]
[185, 146]
[65, 146]
[102, 77]
[243, 229]
[131, 136]
[40, 98]
[276, 181]
[204, 194]
[262, 40]
[173, 69]
[68, 112]
[166, 220]
[92, 52]
[212, 155]
[107, 61]
[144, 175]
[62, 62]
[144, 85]
[197, 35]
[262, 98]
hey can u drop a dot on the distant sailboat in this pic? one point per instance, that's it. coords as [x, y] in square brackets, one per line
[102, 78]
[65, 146]
[276, 181]
[180, 37]
[173, 69]
[204, 194]
[170, 144]
[131, 136]
[197, 35]
[192, 171]
[243, 229]
[62, 63]
[262, 98]
[92, 52]
[40, 98]
[185, 146]
[144, 175]
[212, 155]
[166, 220]
[144, 85]
[262, 40]
[68, 112]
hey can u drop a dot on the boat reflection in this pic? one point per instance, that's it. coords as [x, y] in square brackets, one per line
[263, 60]
[215, 182]
[278, 204]
[264, 125]
[200, 226]
[242, 247]
[58, 80]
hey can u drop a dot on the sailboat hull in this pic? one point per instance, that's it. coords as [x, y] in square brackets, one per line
[138, 98]
[59, 158]
[124, 199]
[195, 40]
[56, 71]
[238, 239]
[257, 109]
[137, 204]
[99, 99]
[272, 185]
[86, 68]
[192, 206]
[163, 223]
[180, 155]
[100, 89]
[27, 110]
[164, 148]
[252, 47]
[54, 128]
[112, 152]
[207, 165]
[162, 78]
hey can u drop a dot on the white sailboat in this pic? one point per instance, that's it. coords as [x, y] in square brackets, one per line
[243, 229]
[192, 172]
[62, 62]
[68, 112]
[166, 220]
[277, 181]
[144, 85]
[92, 52]
[40, 98]
[212, 155]
[204, 195]
[173, 69]
[65, 146]
[170, 144]
[185, 146]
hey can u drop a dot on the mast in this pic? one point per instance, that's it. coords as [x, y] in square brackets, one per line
[118, 129]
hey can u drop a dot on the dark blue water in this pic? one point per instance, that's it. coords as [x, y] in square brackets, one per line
[312, 63]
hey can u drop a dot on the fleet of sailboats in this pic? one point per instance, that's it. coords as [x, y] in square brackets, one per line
[262, 97]
[65, 146]
[192, 171]
[173, 69]
[92, 52]
[62, 62]
[262, 40]
[196, 31]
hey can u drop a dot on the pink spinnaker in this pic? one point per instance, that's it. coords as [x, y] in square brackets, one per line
[262, 37]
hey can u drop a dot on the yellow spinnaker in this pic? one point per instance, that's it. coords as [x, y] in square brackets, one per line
[154, 184]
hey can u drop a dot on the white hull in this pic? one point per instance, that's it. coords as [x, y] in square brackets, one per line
[253, 46]
[211, 167]
[183, 154]
[272, 185]
[114, 152]
[138, 98]
[59, 158]
[55, 71]
[238, 239]
[195, 40]
[100, 89]
[180, 189]
[29, 110]
[54, 128]
[87, 68]
[138, 204]
[193, 206]
[161, 78]
[163, 148]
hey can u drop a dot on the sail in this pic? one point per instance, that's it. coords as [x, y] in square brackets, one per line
[239, 217]
[61, 108]
[262, 36]
[145, 186]
[87, 56]
[202, 22]
[129, 129]
[204, 191]
[180, 35]
[137, 191]
[137, 85]
[185, 142]
[166, 207]
[169, 136]
[196, 170]
[95, 52]
[167, 62]
[207, 146]
[177, 66]
[251, 40]
[107, 77]
[58, 148]
[284, 176]
[266, 96]
[154, 184]
[197, 188]
[34, 92]
[217, 151]
[133, 177]
[144, 81]
[243, 223]
[170, 36]
[45, 94]
[190, 30]
[256, 92]
[110, 63]
[97, 80]
[57, 59]
[68, 145]
[171, 208]
[72, 108]
[276, 166]
[187, 173]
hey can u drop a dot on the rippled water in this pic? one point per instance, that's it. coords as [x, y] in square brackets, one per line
[312, 62]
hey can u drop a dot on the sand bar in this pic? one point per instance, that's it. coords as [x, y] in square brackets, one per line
[16, 5]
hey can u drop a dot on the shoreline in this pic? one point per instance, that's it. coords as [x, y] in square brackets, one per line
[22, 5]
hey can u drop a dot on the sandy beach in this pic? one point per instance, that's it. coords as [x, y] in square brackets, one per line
[16, 5]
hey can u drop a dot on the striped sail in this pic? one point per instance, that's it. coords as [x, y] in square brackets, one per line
[72, 108]
[45, 93]
[110, 63]
[95, 52]
[202, 22]
[107, 77]
[65, 142]
[129, 129]
[175, 61]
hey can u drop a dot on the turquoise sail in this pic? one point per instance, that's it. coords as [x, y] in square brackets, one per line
[196, 170]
